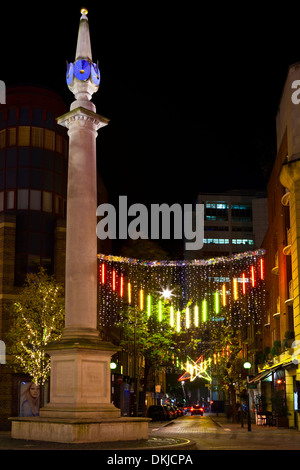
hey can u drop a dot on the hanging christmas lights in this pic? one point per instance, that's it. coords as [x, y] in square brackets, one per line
[209, 287]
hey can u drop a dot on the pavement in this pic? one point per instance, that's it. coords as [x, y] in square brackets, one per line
[156, 440]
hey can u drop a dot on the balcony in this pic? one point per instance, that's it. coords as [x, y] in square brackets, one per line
[277, 314]
[275, 270]
[287, 249]
[290, 300]
[286, 199]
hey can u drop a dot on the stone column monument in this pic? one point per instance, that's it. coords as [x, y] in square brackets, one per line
[80, 408]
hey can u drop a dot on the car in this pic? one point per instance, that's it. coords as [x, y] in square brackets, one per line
[170, 413]
[175, 411]
[196, 410]
[157, 413]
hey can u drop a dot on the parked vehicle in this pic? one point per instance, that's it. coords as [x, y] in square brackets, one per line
[157, 413]
[175, 411]
[169, 411]
[196, 410]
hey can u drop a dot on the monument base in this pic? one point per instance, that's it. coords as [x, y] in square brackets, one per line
[81, 430]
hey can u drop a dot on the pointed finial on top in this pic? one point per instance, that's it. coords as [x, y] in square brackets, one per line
[83, 12]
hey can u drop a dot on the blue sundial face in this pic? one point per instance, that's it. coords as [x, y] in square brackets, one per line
[82, 69]
[70, 73]
[95, 74]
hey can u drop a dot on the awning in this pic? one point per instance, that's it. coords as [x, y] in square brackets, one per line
[267, 371]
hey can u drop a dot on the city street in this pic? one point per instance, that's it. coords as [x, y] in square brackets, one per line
[211, 432]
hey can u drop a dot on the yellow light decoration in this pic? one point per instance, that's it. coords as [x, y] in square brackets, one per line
[178, 325]
[129, 293]
[159, 311]
[235, 289]
[187, 317]
[217, 304]
[196, 316]
[195, 369]
[204, 310]
[141, 299]
[149, 305]
[224, 295]
[172, 317]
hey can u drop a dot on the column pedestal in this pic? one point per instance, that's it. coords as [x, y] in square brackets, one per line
[80, 408]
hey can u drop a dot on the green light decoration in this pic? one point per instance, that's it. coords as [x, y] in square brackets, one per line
[200, 291]
[247, 365]
[204, 311]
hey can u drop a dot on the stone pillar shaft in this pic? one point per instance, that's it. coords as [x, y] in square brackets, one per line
[81, 242]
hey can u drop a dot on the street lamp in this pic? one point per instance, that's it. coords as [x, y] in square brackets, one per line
[247, 366]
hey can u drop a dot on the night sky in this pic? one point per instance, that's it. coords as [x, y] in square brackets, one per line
[191, 92]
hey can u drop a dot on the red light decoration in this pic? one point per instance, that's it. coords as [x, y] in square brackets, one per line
[262, 271]
[252, 276]
[103, 273]
[121, 286]
[244, 283]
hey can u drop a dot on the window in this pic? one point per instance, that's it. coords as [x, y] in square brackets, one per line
[11, 136]
[242, 241]
[242, 212]
[35, 200]
[217, 241]
[24, 136]
[37, 134]
[49, 142]
[58, 143]
[10, 200]
[1, 201]
[2, 138]
[22, 199]
[216, 210]
[58, 205]
[47, 201]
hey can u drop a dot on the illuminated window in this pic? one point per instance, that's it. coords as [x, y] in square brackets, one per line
[216, 211]
[47, 201]
[2, 138]
[49, 142]
[37, 136]
[11, 136]
[242, 241]
[10, 200]
[35, 200]
[23, 136]
[22, 199]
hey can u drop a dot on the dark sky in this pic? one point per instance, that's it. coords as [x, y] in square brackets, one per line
[191, 91]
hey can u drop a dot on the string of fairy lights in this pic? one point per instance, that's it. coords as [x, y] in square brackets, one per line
[187, 293]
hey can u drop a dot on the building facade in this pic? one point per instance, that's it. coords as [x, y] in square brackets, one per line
[278, 378]
[234, 222]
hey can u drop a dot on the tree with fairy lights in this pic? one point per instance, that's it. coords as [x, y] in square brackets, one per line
[149, 338]
[37, 319]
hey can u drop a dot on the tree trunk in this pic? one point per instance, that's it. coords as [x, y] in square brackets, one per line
[233, 402]
[145, 387]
